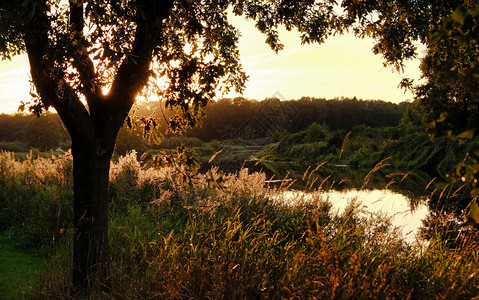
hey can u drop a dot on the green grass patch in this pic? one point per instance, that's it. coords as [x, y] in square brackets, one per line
[19, 269]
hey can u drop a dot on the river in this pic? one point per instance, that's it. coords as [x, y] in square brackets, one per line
[382, 192]
[374, 202]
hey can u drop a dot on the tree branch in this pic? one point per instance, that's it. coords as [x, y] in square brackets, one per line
[133, 74]
[49, 80]
[81, 61]
[76, 16]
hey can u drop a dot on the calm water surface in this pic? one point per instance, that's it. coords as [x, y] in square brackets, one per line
[369, 202]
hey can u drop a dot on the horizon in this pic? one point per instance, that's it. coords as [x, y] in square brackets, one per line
[343, 66]
[276, 96]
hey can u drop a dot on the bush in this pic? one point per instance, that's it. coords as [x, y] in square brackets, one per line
[315, 132]
[15, 146]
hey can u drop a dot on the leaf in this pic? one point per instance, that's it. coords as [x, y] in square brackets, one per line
[128, 122]
[474, 214]
[466, 135]
[431, 124]
[458, 16]
[21, 107]
[156, 137]
[442, 117]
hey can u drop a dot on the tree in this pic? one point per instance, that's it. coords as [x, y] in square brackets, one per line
[449, 98]
[450, 83]
[450, 95]
[91, 60]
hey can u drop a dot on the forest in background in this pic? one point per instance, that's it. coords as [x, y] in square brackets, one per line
[221, 226]
[290, 138]
[154, 225]
[225, 119]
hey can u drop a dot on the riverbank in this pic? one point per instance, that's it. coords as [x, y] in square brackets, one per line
[216, 235]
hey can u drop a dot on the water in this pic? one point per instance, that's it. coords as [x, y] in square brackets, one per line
[384, 202]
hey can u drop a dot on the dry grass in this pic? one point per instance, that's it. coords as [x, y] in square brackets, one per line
[225, 237]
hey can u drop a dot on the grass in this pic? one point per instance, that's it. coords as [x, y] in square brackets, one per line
[19, 270]
[223, 236]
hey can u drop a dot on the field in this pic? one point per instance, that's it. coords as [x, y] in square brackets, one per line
[177, 233]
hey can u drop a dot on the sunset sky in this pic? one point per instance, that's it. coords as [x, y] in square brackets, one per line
[342, 66]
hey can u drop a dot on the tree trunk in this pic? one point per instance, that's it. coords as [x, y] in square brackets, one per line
[91, 165]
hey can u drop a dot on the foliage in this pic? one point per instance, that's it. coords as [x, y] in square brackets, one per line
[396, 26]
[46, 133]
[128, 140]
[450, 95]
[224, 118]
[180, 37]
[408, 146]
[413, 160]
[13, 146]
[36, 197]
[91, 60]
[189, 44]
[228, 118]
[449, 30]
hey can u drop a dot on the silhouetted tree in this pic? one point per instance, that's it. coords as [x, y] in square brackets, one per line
[107, 53]
[450, 97]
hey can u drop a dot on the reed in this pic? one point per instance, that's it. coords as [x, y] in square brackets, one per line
[227, 236]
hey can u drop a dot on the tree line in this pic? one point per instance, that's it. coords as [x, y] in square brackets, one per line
[225, 119]
[240, 117]
[22, 132]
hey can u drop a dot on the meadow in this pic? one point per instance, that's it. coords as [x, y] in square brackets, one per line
[177, 233]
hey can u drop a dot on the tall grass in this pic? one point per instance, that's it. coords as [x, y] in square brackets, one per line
[225, 237]
[35, 197]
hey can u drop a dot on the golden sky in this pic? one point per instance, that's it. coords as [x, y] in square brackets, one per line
[342, 66]
[14, 83]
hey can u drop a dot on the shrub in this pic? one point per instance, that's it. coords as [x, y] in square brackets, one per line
[15, 146]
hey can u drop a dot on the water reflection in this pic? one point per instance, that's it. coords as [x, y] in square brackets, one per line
[384, 202]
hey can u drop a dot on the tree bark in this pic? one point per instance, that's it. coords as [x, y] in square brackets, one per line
[91, 165]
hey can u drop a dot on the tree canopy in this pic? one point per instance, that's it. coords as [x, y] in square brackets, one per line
[450, 97]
